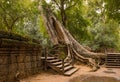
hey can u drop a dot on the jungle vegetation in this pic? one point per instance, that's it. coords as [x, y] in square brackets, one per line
[94, 23]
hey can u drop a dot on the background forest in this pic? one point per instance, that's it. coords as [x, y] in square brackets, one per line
[94, 23]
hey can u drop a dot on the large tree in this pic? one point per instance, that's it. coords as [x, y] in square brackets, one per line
[69, 12]
[60, 35]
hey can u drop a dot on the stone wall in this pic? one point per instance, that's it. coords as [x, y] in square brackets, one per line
[18, 58]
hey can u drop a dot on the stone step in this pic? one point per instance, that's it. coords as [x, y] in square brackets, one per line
[67, 68]
[60, 66]
[48, 58]
[117, 62]
[53, 60]
[71, 71]
[57, 63]
[113, 59]
[113, 66]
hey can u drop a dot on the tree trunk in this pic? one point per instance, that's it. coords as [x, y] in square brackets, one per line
[62, 12]
[60, 35]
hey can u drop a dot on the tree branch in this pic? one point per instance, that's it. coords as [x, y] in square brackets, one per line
[57, 4]
[5, 22]
[4, 17]
[2, 8]
[72, 5]
[13, 23]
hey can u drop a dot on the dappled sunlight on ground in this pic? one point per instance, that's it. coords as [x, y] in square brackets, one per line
[51, 76]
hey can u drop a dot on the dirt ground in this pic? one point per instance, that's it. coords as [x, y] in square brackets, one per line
[51, 76]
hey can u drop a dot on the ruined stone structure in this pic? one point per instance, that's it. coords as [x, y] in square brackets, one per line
[18, 59]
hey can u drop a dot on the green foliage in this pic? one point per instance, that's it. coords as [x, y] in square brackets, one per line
[106, 35]
[94, 23]
[10, 12]
[113, 9]
[76, 23]
[43, 33]
[62, 55]
[88, 21]
[14, 13]
[23, 17]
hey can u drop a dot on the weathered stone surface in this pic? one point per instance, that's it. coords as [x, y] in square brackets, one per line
[3, 70]
[3, 52]
[33, 71]
[34, 58]
[3, 78]
[3, 60]
[33, 64]
[38, 64]
[39, 57]
[29, 72]
[28, 65]
[11, 78]
[13, 68]
[21, 58]
[27, 59]
[93, 78]
[13, 58]
[36, 70]
[21, 66]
